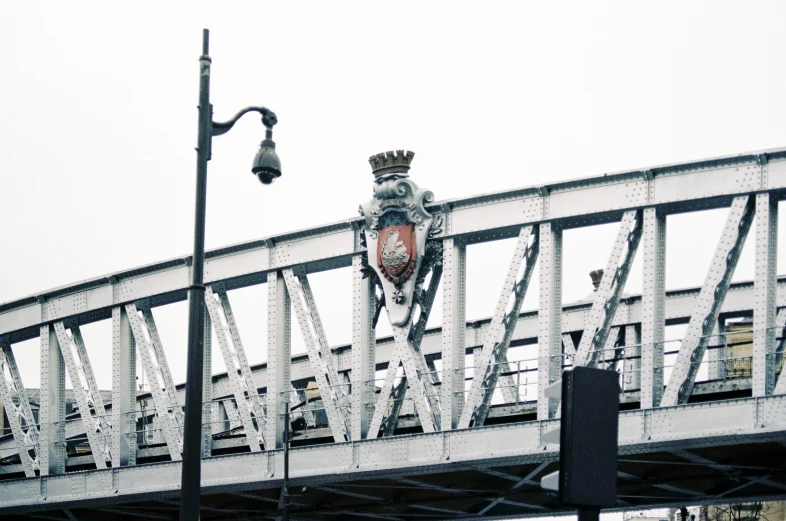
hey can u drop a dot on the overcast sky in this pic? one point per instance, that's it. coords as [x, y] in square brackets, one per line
[98, 128]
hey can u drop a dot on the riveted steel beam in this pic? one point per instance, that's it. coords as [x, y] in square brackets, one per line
[417, 376]
[334, 395]
[279, 358]
[611, 352]
[765, 289]
[632, 364]
[230, 408]
[711, 297]
[716, 351]
[88, 397]
[169, 412]
[526, 480]
[607, 297]
[124, 446]
[13, 395]
[51, 414]
[363, 348]
[249, 405]
[500, 332]
[653, 298]
[549, 316]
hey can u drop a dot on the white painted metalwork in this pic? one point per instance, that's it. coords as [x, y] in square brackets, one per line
[13, 395]
[607, 296]
[332, 391]
[780, 328]
[250, 409]
[632, 367]
[279, 358]
[640, 431]
[51, 415]
[428, 395]
[363, 344]
[765, 285]
[169, 412]
[124, 445]
[610, 354]
[712, 294]
[454, 258]
[88, 397]
[407, 352]
[549, 332]
[498, 336]
[653, 320]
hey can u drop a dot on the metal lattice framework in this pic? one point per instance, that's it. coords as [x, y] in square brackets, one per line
[424, 417]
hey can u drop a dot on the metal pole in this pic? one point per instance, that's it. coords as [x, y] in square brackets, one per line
[192, 436]
[285, 513]
[589, 514]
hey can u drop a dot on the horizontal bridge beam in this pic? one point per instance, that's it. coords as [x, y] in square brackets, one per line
[709, 183]
[640, 431]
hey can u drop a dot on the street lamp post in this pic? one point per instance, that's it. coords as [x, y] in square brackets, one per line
[267, 168]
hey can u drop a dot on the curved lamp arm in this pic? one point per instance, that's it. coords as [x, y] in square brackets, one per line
[268, 119]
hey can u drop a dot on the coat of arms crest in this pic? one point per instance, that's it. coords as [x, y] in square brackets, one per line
[397, 227]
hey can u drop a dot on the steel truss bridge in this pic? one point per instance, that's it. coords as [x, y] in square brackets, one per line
[429, 442]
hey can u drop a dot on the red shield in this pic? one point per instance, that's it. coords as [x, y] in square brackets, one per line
[396, 252]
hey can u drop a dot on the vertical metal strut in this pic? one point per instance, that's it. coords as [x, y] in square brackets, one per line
[765, 287]
[705, 312]
[417, 375]
[653, 303]
[52, 408]
[168, 411]
[334, 397]
[454, 291]
[88, 397]
[500, 331]
[363, 349]
[607, 297]
[549, 316]
[250, 409]
[124, 446]
[279, 358]
[20, 415]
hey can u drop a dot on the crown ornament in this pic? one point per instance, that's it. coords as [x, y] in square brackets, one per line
[385, 163]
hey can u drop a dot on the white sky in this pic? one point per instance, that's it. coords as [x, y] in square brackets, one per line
[98, 127]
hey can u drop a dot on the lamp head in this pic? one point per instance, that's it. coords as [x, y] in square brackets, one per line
[267, 165]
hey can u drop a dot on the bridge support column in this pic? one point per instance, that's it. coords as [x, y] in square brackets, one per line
[549, 316]
[454, 255]
[653, 316]
[764, 287]
[124, 444]
[363, 350]
[51, 416]
[278, 358]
